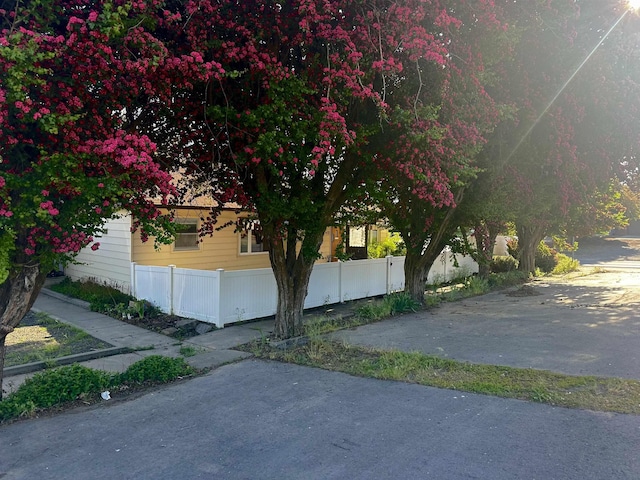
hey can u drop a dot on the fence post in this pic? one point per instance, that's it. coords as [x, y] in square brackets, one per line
[389, 265]
[217, 296]
[133, 279]
[171, 267]
[340, 281]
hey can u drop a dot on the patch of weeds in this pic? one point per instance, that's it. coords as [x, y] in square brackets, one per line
[507, 279]
[476, 285]
[452, 295]
[320, 325]
[102, 298]
[584, 392]
[66, 385]
[156, 368]
[401, 302]
[392, 304]
[374, 310]
[190, 350]
[432, 300]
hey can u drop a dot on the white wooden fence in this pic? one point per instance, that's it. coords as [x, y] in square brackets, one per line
[223, 297]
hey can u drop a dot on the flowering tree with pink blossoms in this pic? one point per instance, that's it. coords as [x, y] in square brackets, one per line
[430, 158]
[313, 91]
[70, 153]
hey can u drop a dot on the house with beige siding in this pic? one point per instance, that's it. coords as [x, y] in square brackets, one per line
[229, 248]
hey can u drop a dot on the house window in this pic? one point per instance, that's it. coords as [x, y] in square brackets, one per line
[373, 236]
[187, 234]
[357, 236]
[251, 240]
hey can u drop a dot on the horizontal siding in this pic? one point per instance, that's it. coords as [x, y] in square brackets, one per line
[111, 263]
[222, 250]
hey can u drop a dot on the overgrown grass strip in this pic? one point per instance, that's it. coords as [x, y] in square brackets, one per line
[582, 392]
[40, 338]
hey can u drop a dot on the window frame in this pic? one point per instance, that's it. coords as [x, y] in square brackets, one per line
[186, 248]
[246, 226]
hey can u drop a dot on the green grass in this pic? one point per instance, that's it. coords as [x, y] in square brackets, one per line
[190, 350]
[41, 338]
[102, 298]
[584, 392]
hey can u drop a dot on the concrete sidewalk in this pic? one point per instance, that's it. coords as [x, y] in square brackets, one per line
[213, 348]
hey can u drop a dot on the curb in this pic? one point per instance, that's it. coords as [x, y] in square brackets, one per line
[57, 362]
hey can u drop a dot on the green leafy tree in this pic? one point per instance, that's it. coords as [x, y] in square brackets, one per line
[313, 92]
[70, 153]
[430, 159]
[572, 136]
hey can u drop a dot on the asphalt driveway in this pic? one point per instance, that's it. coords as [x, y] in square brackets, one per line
[264, 420]
[583, 326]
[261, 420]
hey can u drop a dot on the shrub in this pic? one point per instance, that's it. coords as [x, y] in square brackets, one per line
[156, 369]
[503, 263]
[546, 258]
[565, 265]
[392, 245]
[64, 384]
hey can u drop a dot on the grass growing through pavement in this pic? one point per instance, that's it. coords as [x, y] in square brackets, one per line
[41, 338]
[584, 392]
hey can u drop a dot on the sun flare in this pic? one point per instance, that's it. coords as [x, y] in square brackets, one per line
[633, 4]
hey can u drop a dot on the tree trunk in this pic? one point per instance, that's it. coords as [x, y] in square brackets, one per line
[485, 235]
[17, 294]
[2, 351]
[415, 276]
[419, 260]
[528, 239]
[416, 269]
[292, 293]
[292, 266]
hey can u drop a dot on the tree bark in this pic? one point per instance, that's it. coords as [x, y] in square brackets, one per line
[292, 265]
[419, 260]
[17, 294]
[528, 239]
[417, 266]
[415, 276]
[485, 236]
[2, 352]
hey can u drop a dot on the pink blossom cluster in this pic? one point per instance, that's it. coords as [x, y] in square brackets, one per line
[48, 206]
[56, 240]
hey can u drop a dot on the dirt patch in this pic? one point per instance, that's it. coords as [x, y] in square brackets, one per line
[170, 325]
